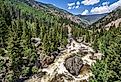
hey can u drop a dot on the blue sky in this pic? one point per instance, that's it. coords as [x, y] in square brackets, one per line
[85, 7]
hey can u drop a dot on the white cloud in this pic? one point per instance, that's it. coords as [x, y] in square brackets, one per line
[77, 6]
[69, 7]
[105, 8]
[115, 5]
[90, 2]
[85, 12]
[100, 10]
[105, 3]
[74, 5]
[54, 4]
[78, 3]
[71, 4]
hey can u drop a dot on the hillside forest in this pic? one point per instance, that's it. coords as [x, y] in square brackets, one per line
[19, 23]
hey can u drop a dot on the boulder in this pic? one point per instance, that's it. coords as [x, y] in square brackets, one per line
[57, 78]
[55, 53]
[74, 65]
[86, 69]
[36, 42]
[47, 61]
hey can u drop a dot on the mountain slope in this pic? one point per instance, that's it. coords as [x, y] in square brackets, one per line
[111, 17]
[51, 9]
[92, 18]
[23, 26]
[32, 40]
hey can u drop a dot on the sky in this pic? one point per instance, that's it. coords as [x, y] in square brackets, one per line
[85, 7]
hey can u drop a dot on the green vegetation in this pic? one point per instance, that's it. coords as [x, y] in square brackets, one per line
[20, 22]
[109, 68]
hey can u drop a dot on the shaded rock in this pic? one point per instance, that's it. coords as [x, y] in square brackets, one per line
[39, 50]
[85, 69]
[74, 65]
[40, 74]
[37, 63]
[55, 53]
[57, 78]
[84, 81]
[22, 79]
[47, 61]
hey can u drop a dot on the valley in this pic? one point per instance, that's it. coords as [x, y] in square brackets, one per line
[58, 67]
[42, 43]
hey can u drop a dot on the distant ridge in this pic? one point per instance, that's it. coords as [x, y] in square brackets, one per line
[111, 17]
[51, 9]
[92, 18]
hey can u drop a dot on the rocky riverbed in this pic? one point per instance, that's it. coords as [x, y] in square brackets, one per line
[73, 64]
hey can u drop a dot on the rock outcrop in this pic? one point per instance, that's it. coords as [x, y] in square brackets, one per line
[74, 65]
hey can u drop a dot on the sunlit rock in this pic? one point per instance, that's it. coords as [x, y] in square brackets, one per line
[74, 64]
[36, 41]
